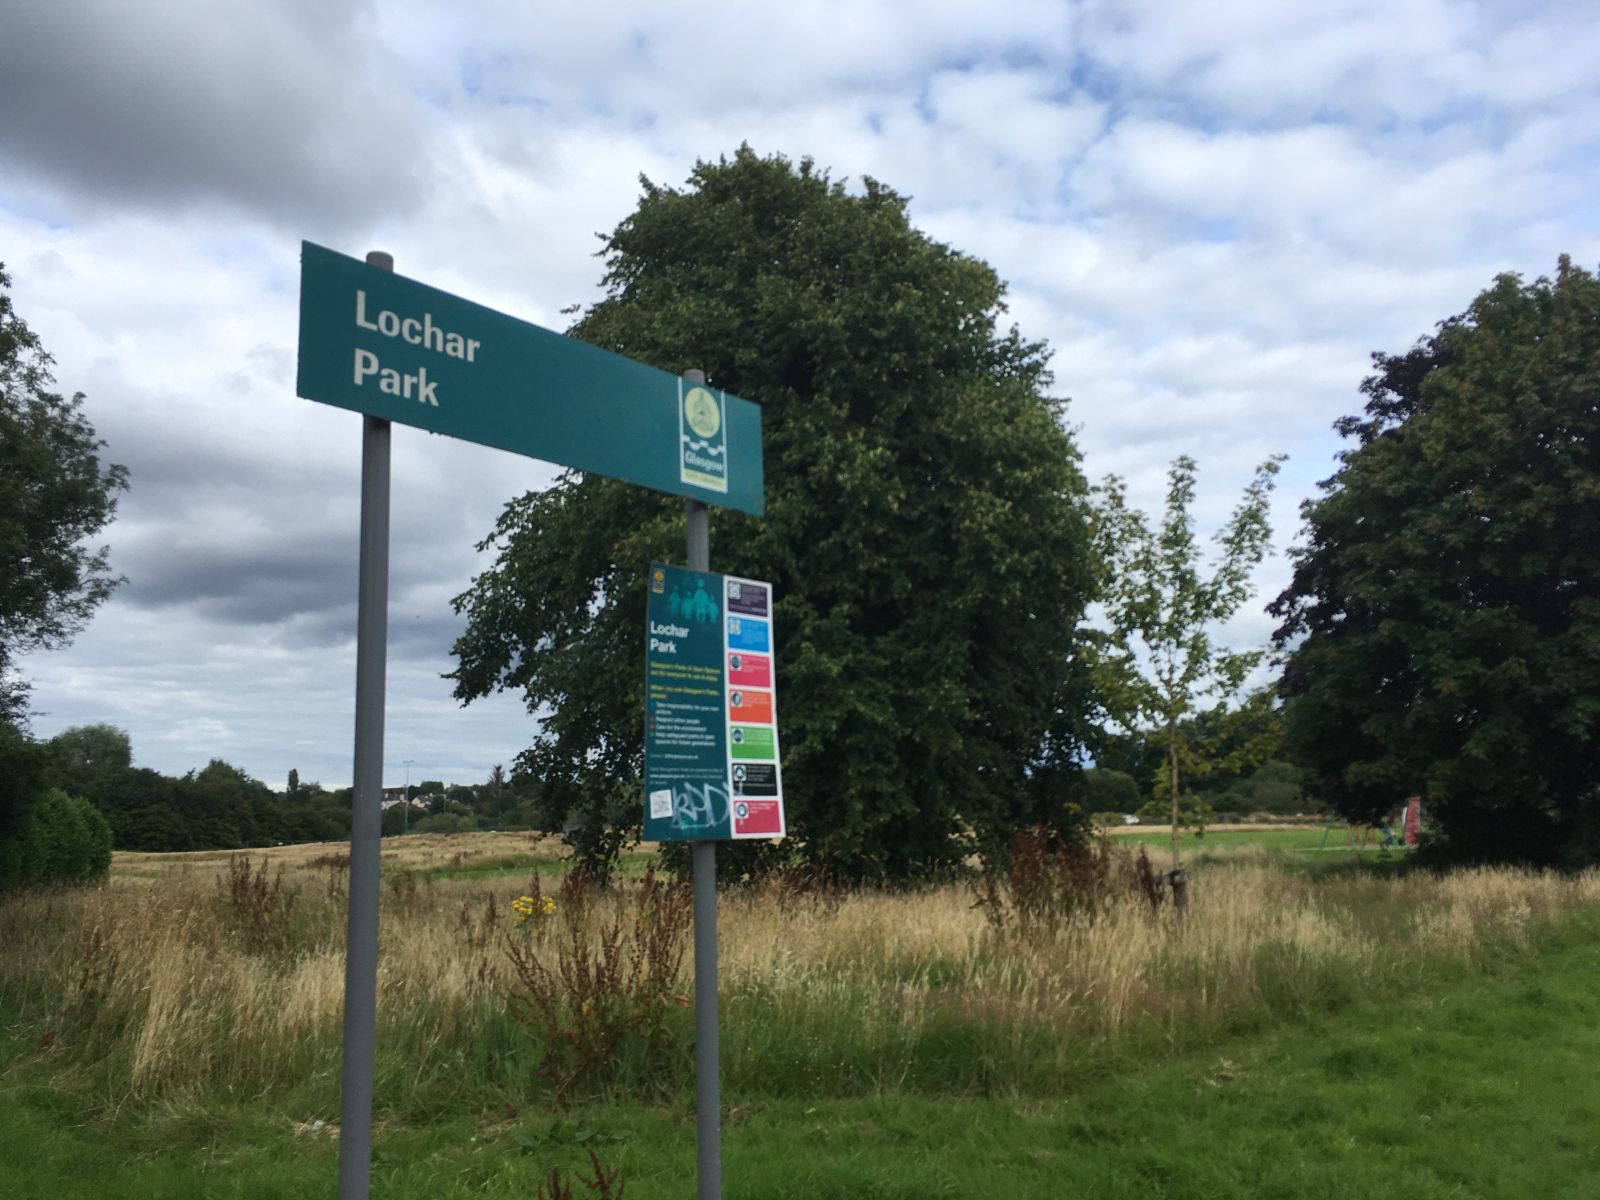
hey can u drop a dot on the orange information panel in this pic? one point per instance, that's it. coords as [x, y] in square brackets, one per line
[750, 707]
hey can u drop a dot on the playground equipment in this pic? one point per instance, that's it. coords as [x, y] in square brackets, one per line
[1350, 835]
[1410, 823]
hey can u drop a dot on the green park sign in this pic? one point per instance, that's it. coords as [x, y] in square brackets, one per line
[390, 347]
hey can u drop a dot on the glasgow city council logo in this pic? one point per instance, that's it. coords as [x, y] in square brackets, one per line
[703, 438]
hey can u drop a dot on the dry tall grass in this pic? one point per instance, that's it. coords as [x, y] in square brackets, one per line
[160, 982]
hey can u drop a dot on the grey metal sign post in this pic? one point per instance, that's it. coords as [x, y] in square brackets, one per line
[703, 862]
[366, 808]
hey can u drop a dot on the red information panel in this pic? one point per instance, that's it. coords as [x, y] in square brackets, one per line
[749, 670]
[757, 818]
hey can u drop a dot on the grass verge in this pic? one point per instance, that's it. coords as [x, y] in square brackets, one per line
[1476, 1083]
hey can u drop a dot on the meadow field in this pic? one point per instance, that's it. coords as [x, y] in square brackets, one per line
[1310, 1025]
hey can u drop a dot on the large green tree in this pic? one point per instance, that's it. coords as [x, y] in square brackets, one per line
[1442, 628]
[87, 756]
[925, 528]
[1164, 603]
[54, 493]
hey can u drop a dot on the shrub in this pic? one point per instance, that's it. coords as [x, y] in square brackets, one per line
[445, 822]
[66, 841]
[1110, 791]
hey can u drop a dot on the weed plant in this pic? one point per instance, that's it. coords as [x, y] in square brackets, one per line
[594, 993]
[603, 1184]
[257, 907]
[1045, 879]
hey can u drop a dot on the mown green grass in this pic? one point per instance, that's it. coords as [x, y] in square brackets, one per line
[1299, 837]
[1466, 1084]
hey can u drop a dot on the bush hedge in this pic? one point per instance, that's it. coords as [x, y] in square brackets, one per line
[46, 836]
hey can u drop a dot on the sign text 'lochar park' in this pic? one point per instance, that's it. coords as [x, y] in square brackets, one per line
[390, 347]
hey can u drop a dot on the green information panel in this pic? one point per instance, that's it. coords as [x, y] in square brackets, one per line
[711, 767]
[390, 347]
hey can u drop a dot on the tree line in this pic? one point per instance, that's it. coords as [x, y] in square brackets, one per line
[220, 807]
[976, 639]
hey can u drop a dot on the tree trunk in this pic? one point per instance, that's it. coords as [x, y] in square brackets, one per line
[1172, 771]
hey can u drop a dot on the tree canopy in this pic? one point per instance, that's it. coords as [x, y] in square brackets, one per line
[54, 493]
[925, 528]
[1442, 629]
[85, 755]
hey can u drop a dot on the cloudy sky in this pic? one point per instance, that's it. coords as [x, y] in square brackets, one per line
[1213, 213]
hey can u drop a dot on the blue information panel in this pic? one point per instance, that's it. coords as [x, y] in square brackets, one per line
[749, 633]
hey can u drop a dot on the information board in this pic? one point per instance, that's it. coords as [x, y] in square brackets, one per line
[711, 769]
